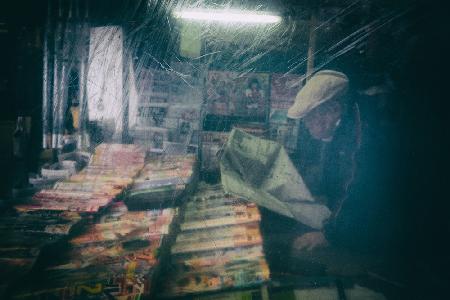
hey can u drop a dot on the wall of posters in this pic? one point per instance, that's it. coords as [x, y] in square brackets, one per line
[172, 100]
[168, 102]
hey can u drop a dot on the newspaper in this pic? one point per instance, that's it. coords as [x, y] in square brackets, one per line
[261, 171]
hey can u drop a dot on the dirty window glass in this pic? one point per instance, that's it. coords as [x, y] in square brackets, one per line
[244, 149]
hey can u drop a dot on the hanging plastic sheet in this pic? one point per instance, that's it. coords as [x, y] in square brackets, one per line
[262, 171]
[65, 52]
[104, 78]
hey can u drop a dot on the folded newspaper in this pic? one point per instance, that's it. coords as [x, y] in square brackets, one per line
[262, 171]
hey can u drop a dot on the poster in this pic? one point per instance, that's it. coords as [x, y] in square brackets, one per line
[232, 94]
[284, 89]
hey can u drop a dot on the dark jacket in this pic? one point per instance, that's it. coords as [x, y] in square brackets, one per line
[328, 169]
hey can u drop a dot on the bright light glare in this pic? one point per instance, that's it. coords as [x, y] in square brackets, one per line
[228, 16]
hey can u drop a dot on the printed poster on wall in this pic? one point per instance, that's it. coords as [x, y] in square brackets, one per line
[232, 94]
[284, 88]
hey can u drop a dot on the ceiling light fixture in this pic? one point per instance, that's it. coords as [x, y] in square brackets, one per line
[228, 16]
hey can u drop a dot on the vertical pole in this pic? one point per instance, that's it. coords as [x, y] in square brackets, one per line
[310, 61]
[46, 84]
[311, 44]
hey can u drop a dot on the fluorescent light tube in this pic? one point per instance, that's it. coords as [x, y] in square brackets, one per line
[228, 16]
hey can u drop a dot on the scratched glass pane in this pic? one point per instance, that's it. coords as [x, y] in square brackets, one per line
[210, 146]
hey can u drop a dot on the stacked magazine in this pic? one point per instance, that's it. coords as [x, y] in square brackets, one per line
[219, 245]
[111, 169]
[24, 235]
[53, 212]
[162, 180]
[115, 257]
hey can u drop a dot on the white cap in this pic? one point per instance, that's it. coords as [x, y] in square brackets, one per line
[323, 86]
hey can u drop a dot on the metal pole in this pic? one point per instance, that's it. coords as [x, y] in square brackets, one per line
[311, 44]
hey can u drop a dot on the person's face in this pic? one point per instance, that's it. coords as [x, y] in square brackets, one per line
[322, 121]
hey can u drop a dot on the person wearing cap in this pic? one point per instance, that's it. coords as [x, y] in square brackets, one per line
[329, 137]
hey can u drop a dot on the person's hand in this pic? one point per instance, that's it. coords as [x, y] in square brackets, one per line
[310, 241]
